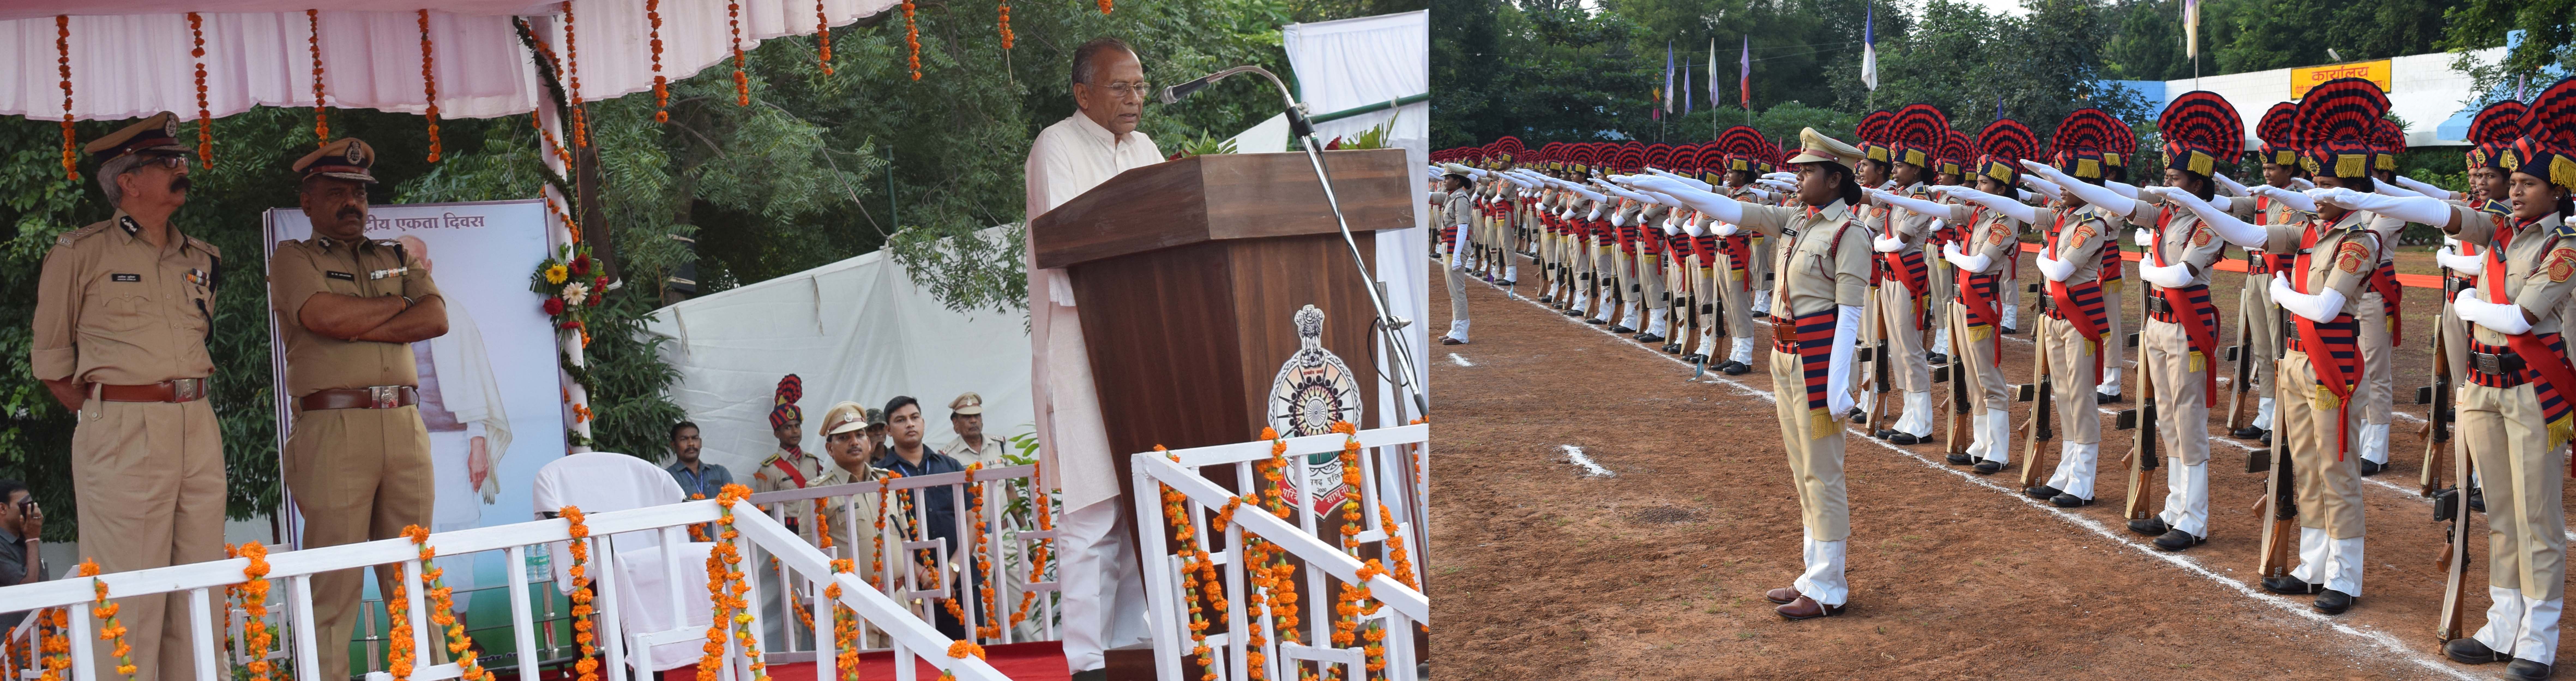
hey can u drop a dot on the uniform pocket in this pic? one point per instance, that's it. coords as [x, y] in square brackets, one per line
[120, 311]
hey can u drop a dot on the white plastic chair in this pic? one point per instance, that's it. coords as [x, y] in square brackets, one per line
[662, 621]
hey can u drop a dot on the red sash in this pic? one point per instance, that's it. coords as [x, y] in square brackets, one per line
[2384, 280]
[1895, 265]
[2194, 326]
[1981, 309]
[2329, 369]
[2535, 351]
[2067, 308]
[781, 463]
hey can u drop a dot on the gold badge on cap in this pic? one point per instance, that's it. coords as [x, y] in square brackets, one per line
[356, 155]
[170, 126]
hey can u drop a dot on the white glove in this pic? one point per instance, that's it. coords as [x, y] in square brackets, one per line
[1714, 205]
[1725, 229]
[1914, 204]
[2293, 198]
[2228, 227]
[2504, 318]
[1596, 212]
[1694, 183]
[1970, 263]
[2043, 186]
[1672, 226]
[1619, 219]
[2391, 189]
[1776, 184]
[1886, 244]
[2303, 183]
[2229, 186]
[2416, 209]
[2055, 270]
[2100, 195]
[2437, 193]
[2176, 276]
[2449, 256]
[1784, 176]
[2125, 189]
[1838, 362]
[2143, 237]
[2010, 208]
[1696, 225]
[2321, 308]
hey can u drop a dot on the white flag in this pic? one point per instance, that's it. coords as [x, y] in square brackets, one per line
[1869, 48]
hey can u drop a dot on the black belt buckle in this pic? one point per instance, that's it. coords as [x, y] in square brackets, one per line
[2158, 305]
[2495, 363]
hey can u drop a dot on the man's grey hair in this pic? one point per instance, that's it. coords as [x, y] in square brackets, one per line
[115, 168]
[1083, 56]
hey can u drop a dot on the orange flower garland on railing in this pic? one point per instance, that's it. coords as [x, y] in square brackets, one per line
[572, 70]
[1197, 570]
[584, 625]
[741, 83]
[58, 646]
[1281, 574]
[110, 629]
[1006, 24]
[697, 533]
[321, 122]
[912, 38]
[63, 61]
[845, 624]
[255, 609]
[400, 658]
[205, 116]
[661, 85]
[1037, 549]
[726, 590]
[1403, 571]
[429, 84]
[1346, 608]
[961, 650]
[442, 608]
[823, 37]
[876, 561]
[992, 626]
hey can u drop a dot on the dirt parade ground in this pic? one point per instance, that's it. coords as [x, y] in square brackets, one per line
[1600, 514]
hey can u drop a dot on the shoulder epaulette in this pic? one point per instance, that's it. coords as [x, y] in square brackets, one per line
[210, 249]
[78, 234]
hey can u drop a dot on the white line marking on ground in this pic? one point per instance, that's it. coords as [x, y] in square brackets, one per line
[2304, 610]
[1590, 469]
[1460, 361]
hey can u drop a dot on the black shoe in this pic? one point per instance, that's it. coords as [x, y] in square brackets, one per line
[2177, 540]
[1651, 337]
[1857, 415]
[1672, 348]
[1511, 282]
[2105, 398]
[1445, 340]
[2370, 468]
[1937, 359]
[1884, 433]
[2478, 500]
[1694, 358]
[1905, 438]
[1989, 467]
[1734, 368]
[2010, 331]
[1571, 312]
[2148, 526]
[1596, 321]
[1621, 330]
[2286, 584]
[2248, 432]
[2526, 670]
[2466, 650]
[2334, 602]
[1960, 459]
[2041, 492]
[1758, 314]
[2070, 501]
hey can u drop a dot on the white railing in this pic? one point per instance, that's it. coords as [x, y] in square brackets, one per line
[1010, 538]
[910, 637]
[1400, 608]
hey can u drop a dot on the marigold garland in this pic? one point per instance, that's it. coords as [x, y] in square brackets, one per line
[442, 608]
[845, 624]
[661, 85]
[205, 116]
[1403, 571]
[1006, 24]
[741, 83]
[63, 62]
[912, 38]
[572, 70]
[255, 609]
[876, 561]
[1037, 549]
[110, 629]
[399, 655]
[1104, 6]
[321, 121]
[992, 627]
[429, 84]
[58, 646]
[823, 37]
[1197, 570]
[584, 623]
[961, 650]
[726, 588]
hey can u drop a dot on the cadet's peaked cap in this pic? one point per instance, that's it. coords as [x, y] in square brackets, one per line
[843, 418]
[1815, 146]
[158, 132]
[347, 158]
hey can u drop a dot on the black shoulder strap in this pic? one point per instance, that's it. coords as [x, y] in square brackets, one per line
[214, 271]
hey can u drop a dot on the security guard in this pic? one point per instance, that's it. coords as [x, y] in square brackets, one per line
[1457, 220]
[789, 468]
[1824, 267]
[123, 308]
[349, 309]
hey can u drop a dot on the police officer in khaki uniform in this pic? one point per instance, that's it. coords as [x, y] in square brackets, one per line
[2262, 320]
[966, 418]
[1457, 219]
[348, 308]
[2076, 320]
[123, 309]
[789, 468]
[1823, 281]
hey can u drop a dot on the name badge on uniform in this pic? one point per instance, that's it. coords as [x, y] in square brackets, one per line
[343, 276]
[1789, 233]
[125, 277]
[395, 272]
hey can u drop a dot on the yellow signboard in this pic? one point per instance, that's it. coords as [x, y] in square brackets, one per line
[2304, 79]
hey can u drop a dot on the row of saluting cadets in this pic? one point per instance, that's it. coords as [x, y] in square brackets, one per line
[1857, 255]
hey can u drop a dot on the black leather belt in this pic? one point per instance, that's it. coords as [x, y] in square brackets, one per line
[2158, 305]
[2496, 363]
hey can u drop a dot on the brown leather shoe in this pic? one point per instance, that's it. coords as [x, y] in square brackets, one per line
[1807, 608]
[1782, 595]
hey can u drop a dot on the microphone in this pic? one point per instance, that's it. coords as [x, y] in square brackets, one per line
[1174, 93]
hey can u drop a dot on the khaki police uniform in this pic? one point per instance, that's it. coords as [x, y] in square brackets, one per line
[2329, 482]
[2520, 452]
[2261, 318]
[1458, 212]
[1997, 238]
[357, 457]
[1647, 258]
[2080, 239]
[2378, 346]
[1824, 266]
[2181, 373]
[127, 322]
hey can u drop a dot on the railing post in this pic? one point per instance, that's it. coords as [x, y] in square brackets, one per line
[604, 628]
[307, 655]
[1161, 612]
[523, 633]
[84, 643]
[201, 629]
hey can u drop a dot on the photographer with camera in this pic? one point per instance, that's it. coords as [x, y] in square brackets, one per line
[21, 522]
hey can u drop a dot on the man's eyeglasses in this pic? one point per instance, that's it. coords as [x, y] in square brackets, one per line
[1139, 89]
[163, 160]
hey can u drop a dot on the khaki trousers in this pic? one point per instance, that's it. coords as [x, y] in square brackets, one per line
[1649, 279]
[357, 475]
[2263, 337]
[2329, 490]
[1727, 287]
[2379, 379]
[2521, 471]
[148, 478]
[1457, 287]
[1993, 392]
[1815, 465]
[2182, 399]
[1895, 305]
[2115, 336]
[1945, 278]
[2455, 344]
[2070, 376]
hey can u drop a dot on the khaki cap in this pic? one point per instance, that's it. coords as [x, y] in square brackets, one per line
[969, 404]
[347, 158]
[844, 417]
[158, 132]
[1815, 146]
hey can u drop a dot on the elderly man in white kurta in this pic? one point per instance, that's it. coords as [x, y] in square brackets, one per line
[1104, 594]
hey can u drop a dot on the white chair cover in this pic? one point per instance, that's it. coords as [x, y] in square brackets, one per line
[604, 481]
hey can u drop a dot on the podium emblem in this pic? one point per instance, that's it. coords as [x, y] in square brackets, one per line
[1314, 389]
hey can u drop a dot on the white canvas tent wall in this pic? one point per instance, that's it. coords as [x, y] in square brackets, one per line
[856, 330]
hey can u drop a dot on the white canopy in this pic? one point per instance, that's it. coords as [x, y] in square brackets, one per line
[132, 58]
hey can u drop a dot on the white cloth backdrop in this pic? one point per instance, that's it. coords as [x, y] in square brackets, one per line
[1354, 62]
[855, 330]
[131, 57]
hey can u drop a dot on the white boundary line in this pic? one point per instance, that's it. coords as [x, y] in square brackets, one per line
[1460, 361]
[2303, 610]
[1590, 469]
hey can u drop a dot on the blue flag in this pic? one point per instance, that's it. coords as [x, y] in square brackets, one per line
[1668, 76]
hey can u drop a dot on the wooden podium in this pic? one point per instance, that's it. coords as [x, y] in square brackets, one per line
[1188, 275]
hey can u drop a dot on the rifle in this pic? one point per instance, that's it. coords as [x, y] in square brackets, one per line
[2280, 491]
[2036, 429]
[1958, 395]
[2239, 353]
[2142, 458]
[2452, 506]
[2437, 423]
[1878, 371]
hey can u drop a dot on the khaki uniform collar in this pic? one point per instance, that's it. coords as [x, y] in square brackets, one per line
[133, 231]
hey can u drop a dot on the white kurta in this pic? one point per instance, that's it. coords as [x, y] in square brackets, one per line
[1103, 590]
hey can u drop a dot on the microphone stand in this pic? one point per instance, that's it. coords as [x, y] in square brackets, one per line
[1397, 350]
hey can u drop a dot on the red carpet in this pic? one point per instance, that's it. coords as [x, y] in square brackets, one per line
[1036, 661]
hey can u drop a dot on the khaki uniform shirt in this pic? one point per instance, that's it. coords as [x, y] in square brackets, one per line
[113, 309]
[990, 454]
[768, 477]
[367, 269]
[2344, 257]
[1813, 273]
[854, 534]
[2080, 240]
[2540, 272]
[1915, 228]
[1459, 210]
[2188, 240]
